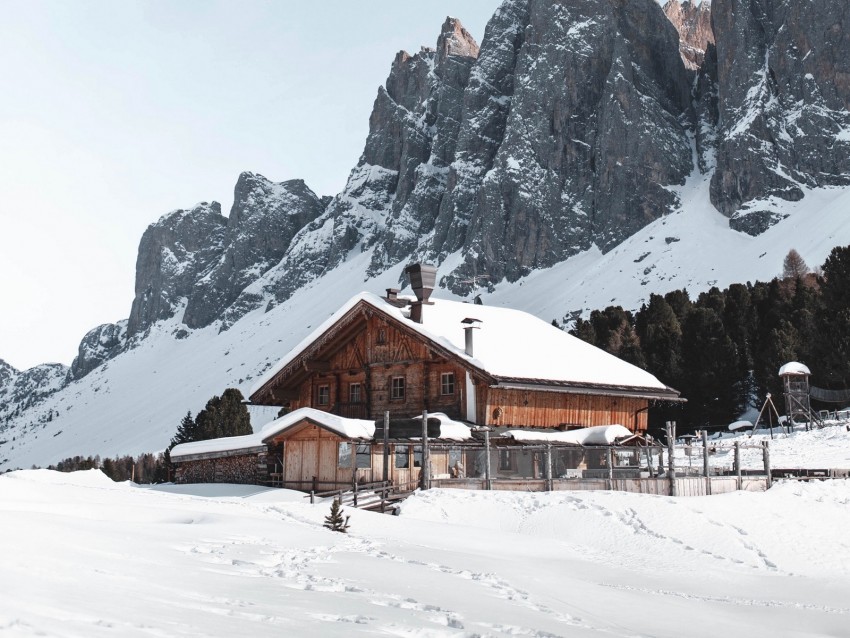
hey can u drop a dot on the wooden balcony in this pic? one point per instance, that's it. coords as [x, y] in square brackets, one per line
[351, 410]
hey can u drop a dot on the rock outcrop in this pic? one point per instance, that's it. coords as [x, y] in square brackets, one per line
[783, 83]
[173, 255]
[263, 221]
[98, 346]
[21, 390]
[692, 19]
[596, 133]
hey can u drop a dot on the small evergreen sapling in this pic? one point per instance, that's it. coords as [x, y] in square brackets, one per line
[334, 521]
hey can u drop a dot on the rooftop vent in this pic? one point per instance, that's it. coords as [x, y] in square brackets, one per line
[392, 297]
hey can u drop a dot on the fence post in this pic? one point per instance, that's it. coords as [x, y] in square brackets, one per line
[426, 454]
[766, 456]
[671, 465]
[548, 467]
[355, 489]
[386, 446]
[738, 465]
[312, 497]
[487, 459]
[610, 464]
[706, 470]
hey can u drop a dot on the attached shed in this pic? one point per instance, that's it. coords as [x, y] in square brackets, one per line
[311, 449]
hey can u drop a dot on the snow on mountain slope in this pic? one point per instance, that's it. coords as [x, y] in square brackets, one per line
[88, 557]
[133, 403]
[693, 248]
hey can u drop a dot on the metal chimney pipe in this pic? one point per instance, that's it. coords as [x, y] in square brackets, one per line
[468, 327]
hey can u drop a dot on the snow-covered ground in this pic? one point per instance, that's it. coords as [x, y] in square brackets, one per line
[82, 556]
[826, 448]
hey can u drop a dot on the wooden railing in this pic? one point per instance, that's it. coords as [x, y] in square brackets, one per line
[350, 410]
[377, 495]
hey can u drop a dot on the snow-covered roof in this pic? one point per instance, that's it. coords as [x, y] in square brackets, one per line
[356, 429]
[217, 446]
[595, 435]
[794, 367]
[508, 344]
[347, 428]
[740, 425]
[450, 430]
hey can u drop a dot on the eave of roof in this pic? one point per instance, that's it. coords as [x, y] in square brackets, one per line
[572, 387]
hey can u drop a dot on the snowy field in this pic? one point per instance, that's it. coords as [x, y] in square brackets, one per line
[819, 448]
[82, 556]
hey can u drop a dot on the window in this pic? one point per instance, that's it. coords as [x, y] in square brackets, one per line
[402, 457]
[344, 454]
[364, 456]
[323, 395]
[417, 456]
[506, 460]
[354, 393]
[362, 452]
[456, 469]
[447, 383]
[397, 389]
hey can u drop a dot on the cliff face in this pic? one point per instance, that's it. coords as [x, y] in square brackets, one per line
[563, 131]
[783, 85]
[173, 254]
[264, 219]
[598, 109]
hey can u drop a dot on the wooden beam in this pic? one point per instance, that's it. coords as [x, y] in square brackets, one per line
[312, 365]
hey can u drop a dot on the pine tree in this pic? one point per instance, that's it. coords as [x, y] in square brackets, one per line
[187, 431]
[712, 377]
[235, 418]
[584, 330]
[660, 335]
[834, 320]
[226, 415]
[334, 521]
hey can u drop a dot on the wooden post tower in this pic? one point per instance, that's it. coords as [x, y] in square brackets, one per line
[795, 377]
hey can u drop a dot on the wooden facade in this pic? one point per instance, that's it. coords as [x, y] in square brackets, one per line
[369, 362]
[370, 366]
[535, 408]
[310, 455]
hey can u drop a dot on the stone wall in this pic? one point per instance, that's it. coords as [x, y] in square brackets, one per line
[247, 469]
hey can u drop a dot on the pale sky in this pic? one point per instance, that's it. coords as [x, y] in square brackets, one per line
[113, 113]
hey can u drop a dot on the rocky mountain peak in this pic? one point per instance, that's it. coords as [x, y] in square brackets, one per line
[454, 40]
[172, 254]
[7, 374]
[692, 20]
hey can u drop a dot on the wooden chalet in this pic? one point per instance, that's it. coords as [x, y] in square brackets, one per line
[472, 365]
[486, 365]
